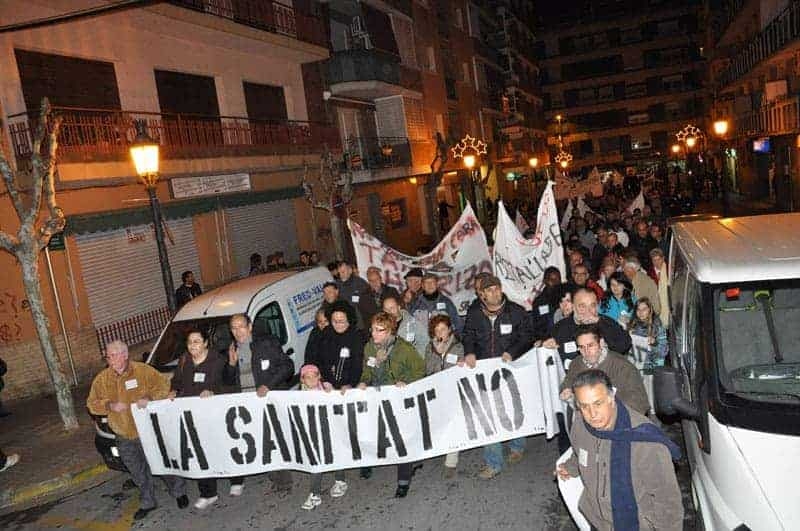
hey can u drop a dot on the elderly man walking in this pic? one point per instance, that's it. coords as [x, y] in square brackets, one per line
[623, 460]
[114, 390]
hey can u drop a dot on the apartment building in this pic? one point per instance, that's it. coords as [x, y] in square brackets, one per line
[754, 49]
[624, 76]
[220, 85]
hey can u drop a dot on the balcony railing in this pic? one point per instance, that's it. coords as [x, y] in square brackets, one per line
[98, 135]
[268, 15]
[373, 153]
[783, 29]
[371, 65]
[774, 118]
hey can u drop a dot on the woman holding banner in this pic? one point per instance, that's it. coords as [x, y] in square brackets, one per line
[443, 351]
[388, 360]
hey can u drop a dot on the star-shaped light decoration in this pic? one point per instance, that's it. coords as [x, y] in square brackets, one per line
[688, 131]
[469, 143]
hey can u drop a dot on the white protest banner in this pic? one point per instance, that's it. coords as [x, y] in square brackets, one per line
[520, 263]
[462, 254]
[317, 431]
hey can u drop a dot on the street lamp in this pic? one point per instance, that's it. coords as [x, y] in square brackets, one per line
[144, 152]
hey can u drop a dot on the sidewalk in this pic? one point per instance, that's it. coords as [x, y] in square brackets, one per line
[53, 462]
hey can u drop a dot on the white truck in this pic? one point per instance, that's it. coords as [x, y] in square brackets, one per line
[734, 378]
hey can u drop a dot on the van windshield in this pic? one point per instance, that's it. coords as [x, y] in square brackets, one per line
[759, 339]
[173, 342]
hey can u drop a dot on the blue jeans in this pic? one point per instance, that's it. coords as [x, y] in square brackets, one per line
[493, 454]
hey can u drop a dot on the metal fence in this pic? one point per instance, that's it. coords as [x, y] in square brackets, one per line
[134, 330]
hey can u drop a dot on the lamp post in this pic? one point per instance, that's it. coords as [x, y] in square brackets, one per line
[721, 130]
[144, 152]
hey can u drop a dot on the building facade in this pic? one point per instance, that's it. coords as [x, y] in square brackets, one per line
[755, 71]
[624, 77]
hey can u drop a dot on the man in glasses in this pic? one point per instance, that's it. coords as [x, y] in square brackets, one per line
[595, 354]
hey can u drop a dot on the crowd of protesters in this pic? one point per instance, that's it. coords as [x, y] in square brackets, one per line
[369, 334]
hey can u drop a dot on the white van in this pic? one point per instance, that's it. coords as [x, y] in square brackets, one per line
[735, 374]
[282, 304]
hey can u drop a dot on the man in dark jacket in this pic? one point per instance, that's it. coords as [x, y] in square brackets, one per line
[498, 328]
[356, 291]
[585, 303]
[188, 290]
[270, 367]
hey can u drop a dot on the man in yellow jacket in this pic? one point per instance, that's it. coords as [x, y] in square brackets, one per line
[114, 390]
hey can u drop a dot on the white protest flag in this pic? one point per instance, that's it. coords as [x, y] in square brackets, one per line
[462, 254]
[567, 215]
[314, 431]
[520, 263]
[638, 202]
[521, 224]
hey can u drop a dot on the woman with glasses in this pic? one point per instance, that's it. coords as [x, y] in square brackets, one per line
[390, 360]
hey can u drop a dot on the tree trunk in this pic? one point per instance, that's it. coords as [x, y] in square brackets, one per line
[338, 236]
[30, 277]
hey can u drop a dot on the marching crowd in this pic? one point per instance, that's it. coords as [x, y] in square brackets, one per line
[607, 319]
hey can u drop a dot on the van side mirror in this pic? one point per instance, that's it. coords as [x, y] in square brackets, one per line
[667, 383]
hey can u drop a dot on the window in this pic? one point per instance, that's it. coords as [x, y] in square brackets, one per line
[269, 321]
[431, 66]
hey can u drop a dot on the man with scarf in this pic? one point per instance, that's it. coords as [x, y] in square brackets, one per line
[497, 328]
[623, 460]
[390, 360]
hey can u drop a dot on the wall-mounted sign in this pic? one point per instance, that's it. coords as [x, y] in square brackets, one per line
[209, 185]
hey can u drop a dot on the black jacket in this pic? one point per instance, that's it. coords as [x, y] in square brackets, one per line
[616, 337]
[191, 380]
[337, 366]
[512, 332]
[270, 366]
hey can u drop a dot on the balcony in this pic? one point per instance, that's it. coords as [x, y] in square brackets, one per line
[267, 15]
[777, 117]
[91, 135]
[370, 74]
[784, 29]
[375, 153]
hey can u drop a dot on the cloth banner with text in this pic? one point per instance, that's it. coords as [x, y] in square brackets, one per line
[317, 431]
[462, 254]
[520, 263]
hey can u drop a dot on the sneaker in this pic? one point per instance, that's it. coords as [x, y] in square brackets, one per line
[338, 490]
[142, 513]
[11, 460]
[311, 502]
[488, 472]
[236, 490]
[204, 503]
[515, 457]
[449, 472]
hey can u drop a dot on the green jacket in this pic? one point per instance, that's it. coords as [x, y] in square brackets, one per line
[404, 364]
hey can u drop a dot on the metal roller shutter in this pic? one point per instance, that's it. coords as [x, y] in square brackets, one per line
[121, 271]
[262, 228]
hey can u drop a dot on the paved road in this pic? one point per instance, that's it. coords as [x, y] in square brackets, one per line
[523, 497]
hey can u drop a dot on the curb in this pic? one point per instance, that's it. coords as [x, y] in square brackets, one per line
[12, 500]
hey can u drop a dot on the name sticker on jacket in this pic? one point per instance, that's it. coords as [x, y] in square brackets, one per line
[264, 365]
[355, 298]
[371, 362]
[583, 457]
[131, 384]
[199, 377]
[441, 306]
[344, 352]
[544, 309]
[451, 358]
[505, 329]
[570, 347]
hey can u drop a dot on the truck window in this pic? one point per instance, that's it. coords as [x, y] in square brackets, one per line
[269, 322]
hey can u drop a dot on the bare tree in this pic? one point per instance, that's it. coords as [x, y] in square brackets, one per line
[31, 238]
[334, 194]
